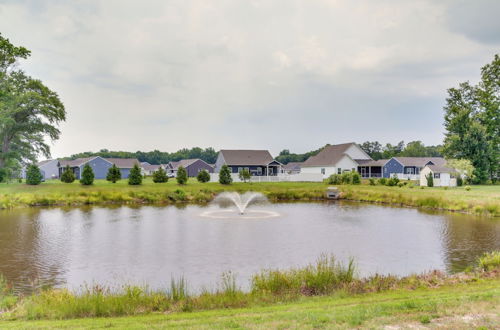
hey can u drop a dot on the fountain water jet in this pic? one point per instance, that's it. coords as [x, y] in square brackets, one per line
[240, 201]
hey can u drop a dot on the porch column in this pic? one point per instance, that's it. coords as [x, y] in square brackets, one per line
[369, 171]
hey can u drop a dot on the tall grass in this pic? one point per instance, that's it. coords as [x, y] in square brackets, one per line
[489, 261]
[325, 277]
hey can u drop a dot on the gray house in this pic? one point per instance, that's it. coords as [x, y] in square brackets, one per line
[292, 167]
[99, 165]
[192, 166]
[409, 167]
[258, 162]
[48, 168]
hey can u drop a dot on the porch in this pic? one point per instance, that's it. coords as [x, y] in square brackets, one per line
[370, 171]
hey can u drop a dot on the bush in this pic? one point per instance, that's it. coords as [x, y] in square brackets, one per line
[244, 175]
[335, 179]
[382, 181]
[182, 175]
[467, 188]
[356, 178]
[203, 176]
[401, 184]
[460, 181]
[87, 177]
[160, 176]
[373, 182]
[225, 175]
[430, 180]
[135, 176]
[391, 182]
[68, 176]
[114, 174]
[4, 174]
[489, 261]
[347, 178]
[33, 175]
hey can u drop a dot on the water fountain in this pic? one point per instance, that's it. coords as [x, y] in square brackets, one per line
[228, 200]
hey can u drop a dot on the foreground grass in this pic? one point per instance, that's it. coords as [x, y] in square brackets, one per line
[460, 306]
[484, 200]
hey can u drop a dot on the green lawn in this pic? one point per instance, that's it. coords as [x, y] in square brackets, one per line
[478, 200]
[472, 305]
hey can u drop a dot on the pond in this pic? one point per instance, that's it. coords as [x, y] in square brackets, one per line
[149, 245]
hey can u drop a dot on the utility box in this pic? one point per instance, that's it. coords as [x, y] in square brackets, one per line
[332, 193]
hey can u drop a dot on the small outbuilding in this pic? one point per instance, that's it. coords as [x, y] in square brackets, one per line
[442, 176]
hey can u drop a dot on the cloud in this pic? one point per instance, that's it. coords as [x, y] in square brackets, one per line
[247, 74]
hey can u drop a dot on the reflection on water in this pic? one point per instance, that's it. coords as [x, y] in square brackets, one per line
[148, 245]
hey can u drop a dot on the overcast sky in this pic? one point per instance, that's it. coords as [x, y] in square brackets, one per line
[144, 75]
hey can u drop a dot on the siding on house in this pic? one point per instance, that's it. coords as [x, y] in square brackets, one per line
[392, 167]
[100, 166]
[344, 164]
[195, 167]
[49, 169]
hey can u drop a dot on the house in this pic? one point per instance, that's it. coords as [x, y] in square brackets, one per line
[192, 166]
[292, 168]
[409, 167]
[442, 176]
[99, 165]
[149, 169]
[335, 159]
[258, 162]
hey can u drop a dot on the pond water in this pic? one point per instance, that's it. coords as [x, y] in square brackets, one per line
[149, 245]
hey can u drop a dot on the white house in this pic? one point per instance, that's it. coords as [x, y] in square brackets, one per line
[443, 176]
[335, 159]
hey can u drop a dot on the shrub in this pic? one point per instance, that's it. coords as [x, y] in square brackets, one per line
[356, 178]
[182, 175]
[87, 177]
[391, 182]
[225, 175]
[244, 175]
[401, 184]
[430, 180]
[160, 176]
[460, 181]
[347, 178]
[203, 176]
[489, 261]
[68, 176]
[135, 176]
[382, 181]
[373, 182]
[114, 174]
[3, 174]
[335, 179]
[467, 188]
[33, 175]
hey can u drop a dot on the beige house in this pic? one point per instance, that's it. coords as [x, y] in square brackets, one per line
[443, 176]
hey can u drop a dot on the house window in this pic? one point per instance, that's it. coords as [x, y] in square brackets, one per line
[410, 170]
[247, 169]
[339, 171]
[240, 169]
[436, 175]
[259, 170]
[323, 171]
[353, 170]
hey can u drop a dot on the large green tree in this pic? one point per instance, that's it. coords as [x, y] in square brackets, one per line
[29, 111]
[472, 121]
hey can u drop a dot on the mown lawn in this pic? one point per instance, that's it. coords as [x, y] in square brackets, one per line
[478, 200]
[472, 305]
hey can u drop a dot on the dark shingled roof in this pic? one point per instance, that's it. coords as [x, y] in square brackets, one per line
[329, 156]
[247, 157]
[369, 162]
[420, 161]
[184, 163]
[119, 162]
[441, 169]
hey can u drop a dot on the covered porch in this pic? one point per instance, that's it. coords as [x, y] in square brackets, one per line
[368, 168]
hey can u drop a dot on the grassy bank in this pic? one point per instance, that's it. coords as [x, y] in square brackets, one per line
[484, 200]
[323, 294]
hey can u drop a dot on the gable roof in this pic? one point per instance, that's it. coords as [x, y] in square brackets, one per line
[441, 169]
[74, 162]
[47, 161]
[292, 166]
[185, 163]
[247, 157]
[329, 156]
[420, 161]
[369, 162]
[123, 162]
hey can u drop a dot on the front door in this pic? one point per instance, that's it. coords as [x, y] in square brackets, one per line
[363, 172]
[270, 171]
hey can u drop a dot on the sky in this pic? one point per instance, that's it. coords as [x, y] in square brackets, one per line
[251, 74]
